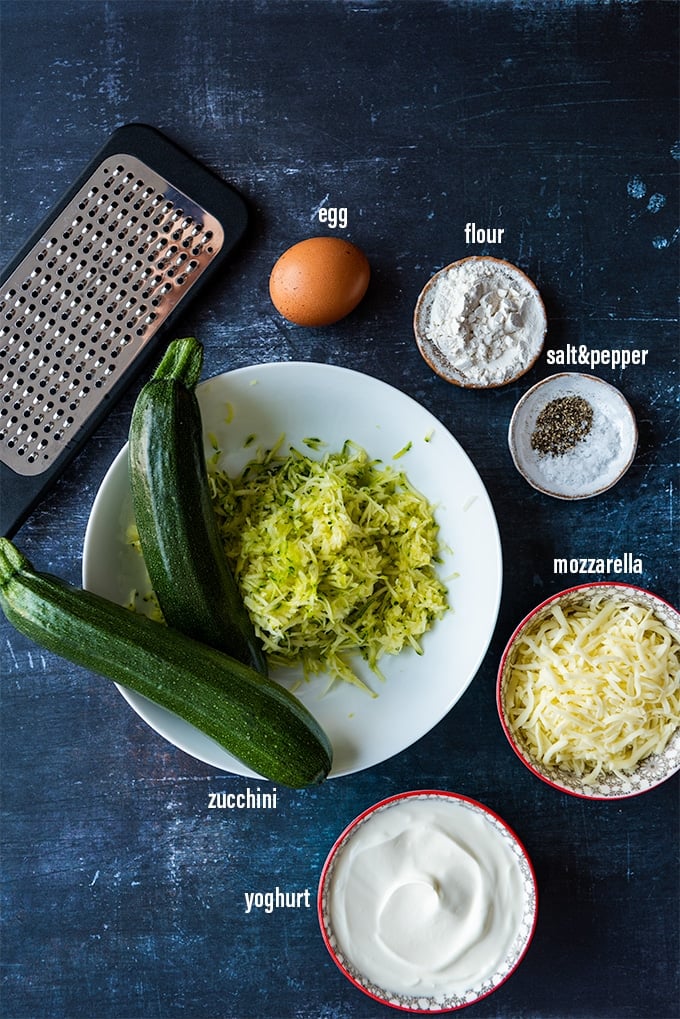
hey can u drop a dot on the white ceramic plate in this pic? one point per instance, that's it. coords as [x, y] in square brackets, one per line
[302, 400]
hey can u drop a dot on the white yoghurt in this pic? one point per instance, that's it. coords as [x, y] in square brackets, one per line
[427, 897]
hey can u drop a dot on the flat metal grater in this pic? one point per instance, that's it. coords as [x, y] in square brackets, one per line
[143, 227]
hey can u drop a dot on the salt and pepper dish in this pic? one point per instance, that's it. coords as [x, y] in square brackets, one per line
[572, 436]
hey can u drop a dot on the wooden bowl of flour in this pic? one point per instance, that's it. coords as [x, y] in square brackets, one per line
[480, 322]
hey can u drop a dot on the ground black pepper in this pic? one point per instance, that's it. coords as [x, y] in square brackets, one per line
[561, 424]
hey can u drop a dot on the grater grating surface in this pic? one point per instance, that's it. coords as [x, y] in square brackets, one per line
[79, 308]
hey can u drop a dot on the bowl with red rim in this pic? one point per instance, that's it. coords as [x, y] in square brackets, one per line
[588, 690]
[427, 901]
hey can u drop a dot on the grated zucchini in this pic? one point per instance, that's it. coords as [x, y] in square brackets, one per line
[333, 557]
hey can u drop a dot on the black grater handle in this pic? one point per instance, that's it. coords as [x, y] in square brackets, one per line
[20, 495]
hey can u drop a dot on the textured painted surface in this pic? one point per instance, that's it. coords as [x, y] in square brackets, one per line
[123, 894]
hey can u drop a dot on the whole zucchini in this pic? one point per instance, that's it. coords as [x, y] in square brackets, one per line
[250, 716]
[178, 532]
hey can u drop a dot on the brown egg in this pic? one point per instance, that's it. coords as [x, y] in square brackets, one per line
[318, 281]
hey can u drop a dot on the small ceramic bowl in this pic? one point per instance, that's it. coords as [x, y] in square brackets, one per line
[452, 356]
[595, 462]
[450, 865]
[652, 770]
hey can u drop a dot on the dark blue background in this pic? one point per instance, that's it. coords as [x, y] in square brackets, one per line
[123, 895]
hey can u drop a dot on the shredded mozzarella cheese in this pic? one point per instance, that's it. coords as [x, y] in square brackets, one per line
[595, 688]
[333, 556]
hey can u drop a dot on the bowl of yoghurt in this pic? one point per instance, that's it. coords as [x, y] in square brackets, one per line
[427, 901]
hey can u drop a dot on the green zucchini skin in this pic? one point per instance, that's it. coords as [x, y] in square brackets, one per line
[249, 715]
[178, 531]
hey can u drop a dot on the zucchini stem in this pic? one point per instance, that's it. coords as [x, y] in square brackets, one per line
[183, 361]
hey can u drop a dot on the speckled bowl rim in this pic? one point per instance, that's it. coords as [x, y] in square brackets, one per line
[438, 362]
[521, 406]
[443, 1003]
[651, 772]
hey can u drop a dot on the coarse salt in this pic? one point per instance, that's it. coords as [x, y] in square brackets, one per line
[588, 460]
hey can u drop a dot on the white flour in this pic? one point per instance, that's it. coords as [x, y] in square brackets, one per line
[486, 319]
